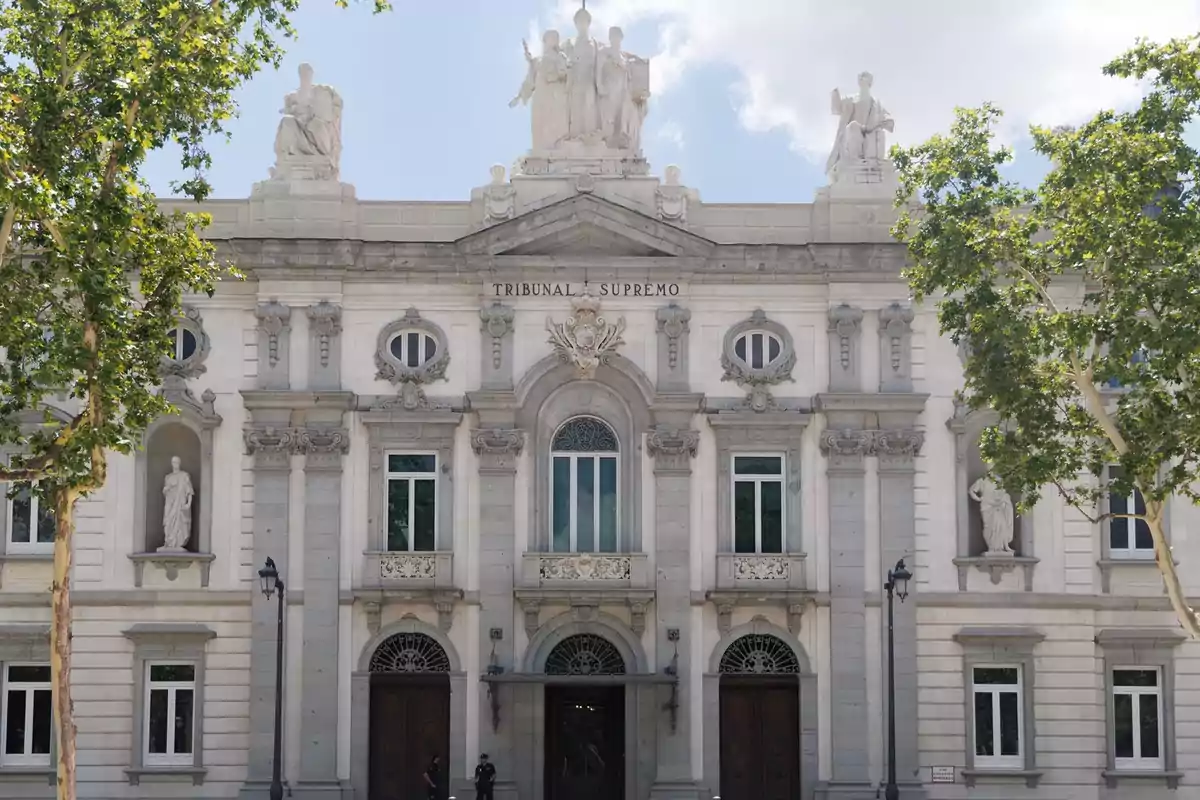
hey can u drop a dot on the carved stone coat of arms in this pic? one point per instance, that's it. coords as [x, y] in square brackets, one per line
[585, 339]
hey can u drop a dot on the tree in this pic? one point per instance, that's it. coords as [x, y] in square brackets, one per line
[93, 273]
[1077, 300]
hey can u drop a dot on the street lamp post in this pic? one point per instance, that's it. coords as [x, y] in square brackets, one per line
[897, 585]
[271, 584]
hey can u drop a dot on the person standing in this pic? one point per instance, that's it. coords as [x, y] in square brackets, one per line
[433, 778]
[485, 778]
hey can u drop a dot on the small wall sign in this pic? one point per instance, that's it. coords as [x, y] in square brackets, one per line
[941, 774]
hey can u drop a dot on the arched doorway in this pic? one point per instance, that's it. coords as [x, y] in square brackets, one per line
[585, 720]
[760, 719]
[410, 714]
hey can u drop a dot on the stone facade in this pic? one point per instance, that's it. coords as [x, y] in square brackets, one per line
[382, 412]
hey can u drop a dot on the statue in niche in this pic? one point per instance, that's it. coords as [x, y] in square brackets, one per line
[623, 90]
[310, 131]
[545, 88]
[177, 508]
[996, 511]
[862, 127]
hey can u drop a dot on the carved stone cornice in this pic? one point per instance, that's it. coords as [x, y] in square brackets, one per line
[497, 448]
[673, 323]
[274, 319]
[673, 448]
[325, 322]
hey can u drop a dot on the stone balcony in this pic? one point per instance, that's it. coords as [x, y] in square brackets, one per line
[585, 571]
[407, 577]
[408, 570]
[757, 573]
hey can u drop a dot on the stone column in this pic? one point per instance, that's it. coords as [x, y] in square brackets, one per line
[323, 447]
[498, 449]
[897, 450]
[272, 449]
[673, 450]
[845, 470]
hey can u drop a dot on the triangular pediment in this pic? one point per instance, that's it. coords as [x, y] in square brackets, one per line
[585, 225]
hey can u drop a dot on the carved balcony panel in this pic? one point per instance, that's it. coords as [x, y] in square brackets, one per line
[408, 570]
[585, 570]
[761, 572]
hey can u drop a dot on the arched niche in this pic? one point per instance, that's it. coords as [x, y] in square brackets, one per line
[620, 395]
[968, 427]
[187, 435]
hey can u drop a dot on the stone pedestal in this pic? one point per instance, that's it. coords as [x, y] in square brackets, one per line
[577, 158]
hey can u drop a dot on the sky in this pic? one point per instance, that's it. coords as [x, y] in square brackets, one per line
[740, 87]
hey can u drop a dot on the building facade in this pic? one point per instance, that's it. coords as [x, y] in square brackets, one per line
[599, 479]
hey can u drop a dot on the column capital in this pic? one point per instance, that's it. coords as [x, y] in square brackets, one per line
[271, 447]
[673, 449]
[323, 448]
[897, 449]
[498, 448]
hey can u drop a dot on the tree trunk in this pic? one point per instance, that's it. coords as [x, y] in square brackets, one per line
[60, 642]
[1166, 565]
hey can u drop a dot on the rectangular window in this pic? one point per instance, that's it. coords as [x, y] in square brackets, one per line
[997, 717]
[1127, 538]
[31, 524]
[757, 504]
[583, 503]
[27, 717]
[1137, 718]
[412, 501]
[170, 713]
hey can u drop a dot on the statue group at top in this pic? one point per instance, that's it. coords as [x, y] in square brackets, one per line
[308, 143]
[863, 125]
[585, 92]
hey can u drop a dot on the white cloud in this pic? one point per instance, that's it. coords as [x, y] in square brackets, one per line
[670, 131]
[1039, 60]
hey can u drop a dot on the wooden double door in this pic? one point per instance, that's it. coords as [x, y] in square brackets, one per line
[585, 743]
[410, 724]
[760, 737]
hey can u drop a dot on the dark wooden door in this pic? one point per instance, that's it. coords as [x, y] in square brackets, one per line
[760, 738]
[585, 743]
[410, 724]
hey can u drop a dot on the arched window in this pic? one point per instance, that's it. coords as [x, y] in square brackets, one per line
[759, 654]
[409, 652]
[583, 489]
[585, 654]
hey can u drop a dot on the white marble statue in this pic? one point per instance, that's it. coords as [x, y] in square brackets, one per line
[623, 91]
[308, 143]
[996, 511]
[862, 127]
[583, 67]
[177, 507]
[545, 90]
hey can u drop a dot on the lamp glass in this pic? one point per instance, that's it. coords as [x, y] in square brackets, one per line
[268, 576]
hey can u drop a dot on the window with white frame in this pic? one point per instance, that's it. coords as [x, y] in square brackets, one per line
[758, 349]
[997, 716]
[1137, 718]
[412, 502]
[31, 525]
[583, 490]
[170, 713]
[413, 348]
[183, 344]
[1127, 537]
[757, 503]
[26, 719]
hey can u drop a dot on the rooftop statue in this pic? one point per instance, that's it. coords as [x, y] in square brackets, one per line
[308, 144]
[862, 127]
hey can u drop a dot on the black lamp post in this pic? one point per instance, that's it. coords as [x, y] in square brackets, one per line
[269, 576]
[897, 585]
